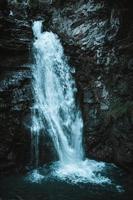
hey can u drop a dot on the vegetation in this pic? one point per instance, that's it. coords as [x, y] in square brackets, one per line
[119, 109]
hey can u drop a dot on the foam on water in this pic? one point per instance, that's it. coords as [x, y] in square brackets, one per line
[83, 172]
[87, 171]
[34, 177]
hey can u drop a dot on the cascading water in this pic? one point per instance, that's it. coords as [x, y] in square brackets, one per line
[54, 91]
[56, 112]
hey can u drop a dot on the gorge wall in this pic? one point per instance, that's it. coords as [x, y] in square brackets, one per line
[97, 36]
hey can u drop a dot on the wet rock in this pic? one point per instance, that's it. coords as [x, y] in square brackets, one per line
[15, 92]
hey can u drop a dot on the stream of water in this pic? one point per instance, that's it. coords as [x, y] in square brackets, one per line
[54, 91]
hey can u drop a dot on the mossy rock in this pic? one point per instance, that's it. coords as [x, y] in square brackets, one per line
[34, 4]
[120, 109]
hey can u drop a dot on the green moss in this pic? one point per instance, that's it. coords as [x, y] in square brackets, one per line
[119, 109]
[33, 3]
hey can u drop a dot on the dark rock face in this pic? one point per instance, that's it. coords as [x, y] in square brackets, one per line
[15, 93]
[97, 38]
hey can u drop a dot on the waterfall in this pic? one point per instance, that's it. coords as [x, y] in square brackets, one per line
[54, 92]
[55, 110]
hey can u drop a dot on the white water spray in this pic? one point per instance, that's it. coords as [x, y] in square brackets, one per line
[55, 109]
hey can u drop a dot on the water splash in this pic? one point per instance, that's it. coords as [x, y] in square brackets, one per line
[86, 171]
[35, 177]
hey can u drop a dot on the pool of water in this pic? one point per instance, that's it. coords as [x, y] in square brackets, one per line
[40, 185]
